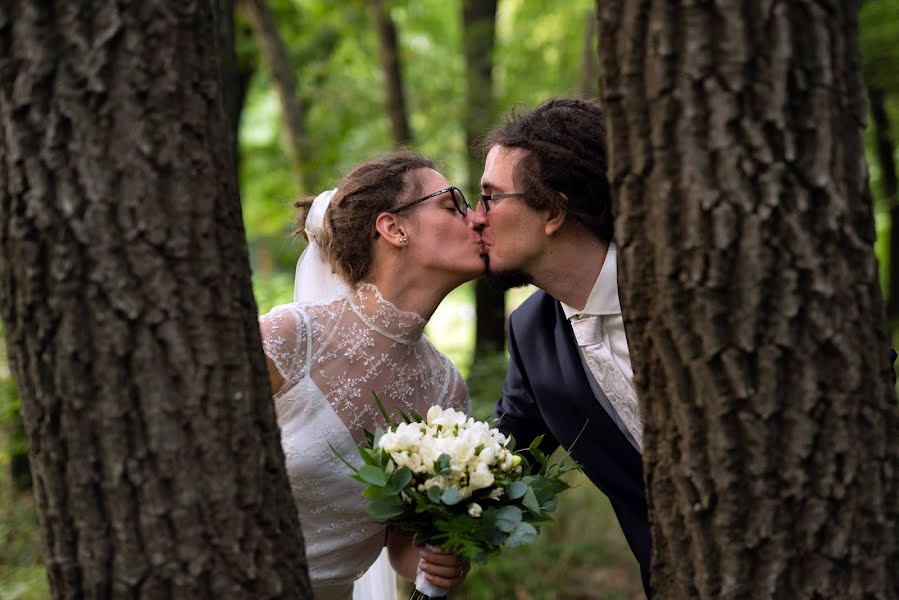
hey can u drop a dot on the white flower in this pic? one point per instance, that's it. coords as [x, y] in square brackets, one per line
[480, 478]
[475, 510]
[496, 493]
[433, 414]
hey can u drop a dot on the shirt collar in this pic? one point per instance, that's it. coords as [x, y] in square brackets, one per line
[603, 299]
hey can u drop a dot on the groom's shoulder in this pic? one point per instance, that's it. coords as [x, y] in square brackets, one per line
[539, 309]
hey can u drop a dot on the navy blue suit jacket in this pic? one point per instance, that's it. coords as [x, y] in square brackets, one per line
[547, 392]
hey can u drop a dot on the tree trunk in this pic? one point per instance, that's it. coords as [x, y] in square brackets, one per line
[589, 85]
[479, 33]
[749, 289]
[130, 320]
[884, 151]
[276, 56]
[394, 99]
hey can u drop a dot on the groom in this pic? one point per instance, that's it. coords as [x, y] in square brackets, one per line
[545, 217]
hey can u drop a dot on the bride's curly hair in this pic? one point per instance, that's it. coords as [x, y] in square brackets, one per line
[566, 154]
[373, 187]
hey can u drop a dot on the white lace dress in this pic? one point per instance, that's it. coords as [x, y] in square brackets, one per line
[332, 356]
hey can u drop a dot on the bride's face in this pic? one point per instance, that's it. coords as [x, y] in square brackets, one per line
[441, 239]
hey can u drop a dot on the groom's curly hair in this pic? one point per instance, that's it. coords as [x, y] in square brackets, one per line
[564, 140]
[373, 187]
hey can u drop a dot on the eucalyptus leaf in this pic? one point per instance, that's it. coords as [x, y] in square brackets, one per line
[434, 494]
[507, 518]
[442, 465]
[523, 533]
[451, 497]
[516, 490]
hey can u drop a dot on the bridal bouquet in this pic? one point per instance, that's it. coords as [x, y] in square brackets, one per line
[456, 482]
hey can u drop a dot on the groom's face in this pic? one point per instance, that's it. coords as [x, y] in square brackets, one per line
[513, 233]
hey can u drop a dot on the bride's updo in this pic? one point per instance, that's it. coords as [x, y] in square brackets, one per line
[373, 187]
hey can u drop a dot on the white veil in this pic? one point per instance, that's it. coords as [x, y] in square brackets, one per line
[315, 281]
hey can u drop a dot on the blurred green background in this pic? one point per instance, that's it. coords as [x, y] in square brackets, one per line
[542, 48]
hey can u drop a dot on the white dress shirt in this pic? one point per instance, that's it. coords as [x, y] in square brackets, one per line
[602, 346]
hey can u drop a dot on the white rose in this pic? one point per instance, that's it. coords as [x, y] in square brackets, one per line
[475, 510]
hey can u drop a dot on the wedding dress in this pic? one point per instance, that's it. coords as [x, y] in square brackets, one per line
[332, 354]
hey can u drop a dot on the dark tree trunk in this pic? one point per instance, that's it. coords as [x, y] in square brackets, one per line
[749, 289]
[130, 320]
[884, 150]
[394, 99]
[589, 84]
[276, 56]
[244, 68]
[479, 33]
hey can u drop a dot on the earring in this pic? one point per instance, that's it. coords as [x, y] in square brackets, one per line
[404, 240]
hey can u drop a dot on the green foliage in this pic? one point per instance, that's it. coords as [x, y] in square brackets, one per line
[879, 33]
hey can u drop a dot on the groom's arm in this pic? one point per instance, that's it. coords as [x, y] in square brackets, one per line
[517, 409]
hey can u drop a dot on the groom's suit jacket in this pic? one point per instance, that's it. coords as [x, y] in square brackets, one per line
[547, 392]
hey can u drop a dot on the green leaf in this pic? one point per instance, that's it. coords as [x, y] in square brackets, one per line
[390, 422]
[530, 501]
[451, 497]
[442, 465]
[523, 533]
[373, 475]
[507, 518]
[386, 508]
[342, 459]
[434, 494]
[536, 452]
[415, 416]
[374, 492]
[401, 478]
[516, 490]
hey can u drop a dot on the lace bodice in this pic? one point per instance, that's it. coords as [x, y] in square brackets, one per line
[332, 356]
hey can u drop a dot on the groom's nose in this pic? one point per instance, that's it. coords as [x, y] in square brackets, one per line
[479, 217]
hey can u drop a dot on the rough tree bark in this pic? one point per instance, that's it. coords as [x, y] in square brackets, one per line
[276, 56]
[130, 320]
[394, 99]
[749, 289]
[884, 151]
[479, 34]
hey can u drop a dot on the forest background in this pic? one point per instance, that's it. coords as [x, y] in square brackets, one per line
[318, 94]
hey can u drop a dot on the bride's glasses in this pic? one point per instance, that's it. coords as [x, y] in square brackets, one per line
[461, 205]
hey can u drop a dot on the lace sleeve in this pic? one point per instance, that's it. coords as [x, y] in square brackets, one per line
[457, 391]
[285, 341]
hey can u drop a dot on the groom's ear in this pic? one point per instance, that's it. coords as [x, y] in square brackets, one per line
[391, 228]
[555, 218]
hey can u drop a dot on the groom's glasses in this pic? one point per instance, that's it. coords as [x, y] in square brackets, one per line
[461, 205]
[488, 198]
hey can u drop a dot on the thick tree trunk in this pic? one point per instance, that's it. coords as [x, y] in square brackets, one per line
[479, 33]
[749, 289]
[394, 99]
[884, 150]
[130, 320]
[276, 56]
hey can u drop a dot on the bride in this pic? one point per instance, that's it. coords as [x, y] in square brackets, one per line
[399, 237]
